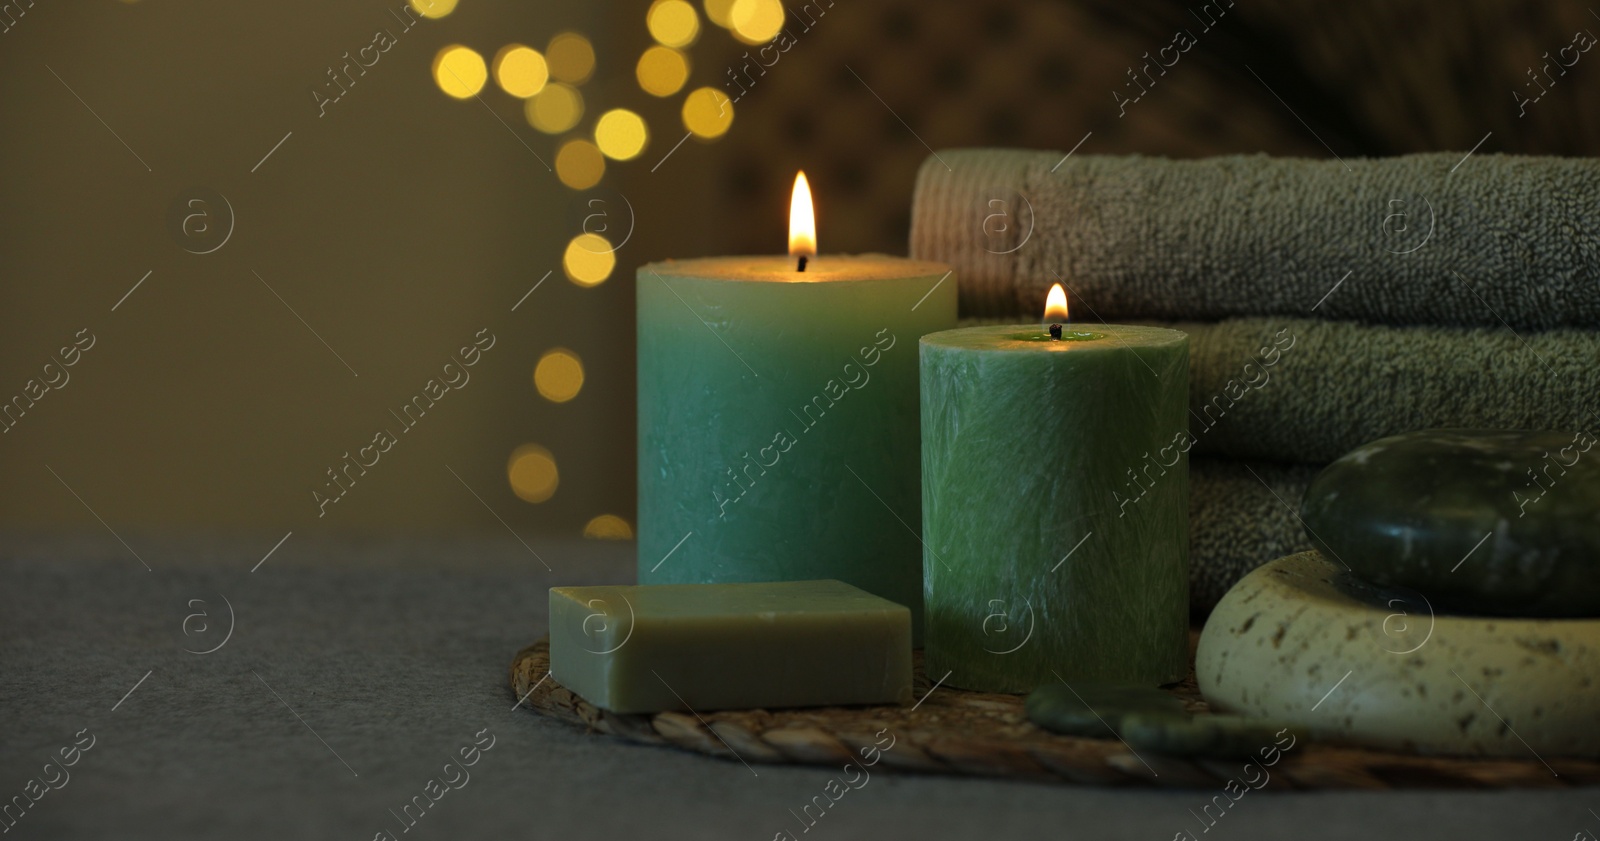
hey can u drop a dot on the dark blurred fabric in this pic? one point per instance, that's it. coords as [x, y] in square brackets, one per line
[872, 87]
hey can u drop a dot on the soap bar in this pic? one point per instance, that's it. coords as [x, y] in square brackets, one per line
[645, 649]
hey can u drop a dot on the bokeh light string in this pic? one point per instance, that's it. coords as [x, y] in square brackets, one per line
[548, 84]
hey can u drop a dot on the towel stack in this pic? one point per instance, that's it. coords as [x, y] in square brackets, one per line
[1328, 303]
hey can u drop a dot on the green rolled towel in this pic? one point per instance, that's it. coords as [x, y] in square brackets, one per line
[1439, 239]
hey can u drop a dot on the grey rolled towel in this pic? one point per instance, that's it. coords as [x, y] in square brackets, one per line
[1241, 515]
[1309, 391]
[1301, 390]
[1490, 240]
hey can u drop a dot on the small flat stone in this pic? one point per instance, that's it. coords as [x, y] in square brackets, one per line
[1478, 521]
[1088, 709]
[1219, 736]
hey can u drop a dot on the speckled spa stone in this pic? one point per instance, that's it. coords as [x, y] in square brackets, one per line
[1304, 641]
[1496, 522]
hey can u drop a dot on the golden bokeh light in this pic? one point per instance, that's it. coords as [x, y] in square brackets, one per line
[520, 70]
[720, 12]
[756, 21]
[571, 58]
[459, 71]
[621, 134]
[532, 473]
[608, 527]
[433, 8]
[672, 22]
[557, 108]
[589, 259]
[579, 164]
[559, 375]
[662, 71]
[707, 113]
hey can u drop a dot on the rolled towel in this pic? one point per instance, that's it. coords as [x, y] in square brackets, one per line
[1241, 515]
[1309, 391]
[1306, 391]
[1439, 239]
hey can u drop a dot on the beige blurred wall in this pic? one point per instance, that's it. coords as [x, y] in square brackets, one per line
[396, 225]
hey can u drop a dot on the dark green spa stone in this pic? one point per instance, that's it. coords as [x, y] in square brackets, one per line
[1088, 709]
[1147, 719]
[1216, 736]
[1478, 521]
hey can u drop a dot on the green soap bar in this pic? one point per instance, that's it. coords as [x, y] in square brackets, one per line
[1088, 709]
[700, 647]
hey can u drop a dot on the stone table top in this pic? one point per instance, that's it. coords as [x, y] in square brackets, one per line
[357, 668]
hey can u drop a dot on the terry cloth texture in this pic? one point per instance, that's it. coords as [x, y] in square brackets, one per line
[1305, 391]
[1494, 241]
[1308, 391]
[1241, 515]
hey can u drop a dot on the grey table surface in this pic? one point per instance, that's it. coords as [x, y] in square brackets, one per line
[356, 669]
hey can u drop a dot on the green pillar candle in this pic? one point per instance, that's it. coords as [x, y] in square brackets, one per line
[1055, 496]
[778, 419]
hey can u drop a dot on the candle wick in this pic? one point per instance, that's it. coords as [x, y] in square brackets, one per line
[1055, 332]
[802, 263]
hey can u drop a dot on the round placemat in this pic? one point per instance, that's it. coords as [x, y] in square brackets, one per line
[953, 731]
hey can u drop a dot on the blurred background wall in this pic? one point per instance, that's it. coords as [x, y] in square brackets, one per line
[279, 223]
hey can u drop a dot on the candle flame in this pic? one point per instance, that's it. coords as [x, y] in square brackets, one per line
[802, 219]
[1055, 305]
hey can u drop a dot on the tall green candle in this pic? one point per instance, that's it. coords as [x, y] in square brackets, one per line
[1055, 505]
[778, 419]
